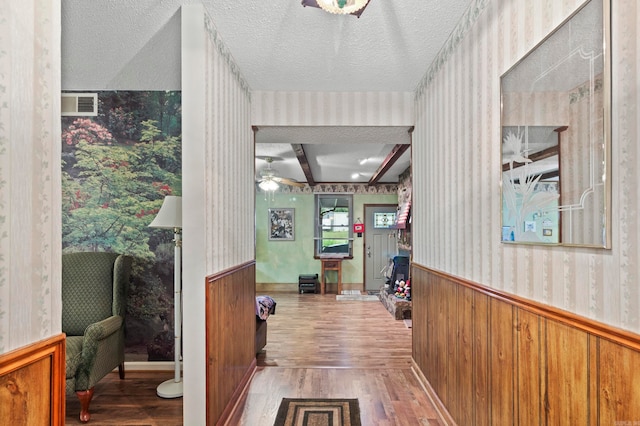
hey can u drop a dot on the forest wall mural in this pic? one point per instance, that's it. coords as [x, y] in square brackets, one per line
[117, 167]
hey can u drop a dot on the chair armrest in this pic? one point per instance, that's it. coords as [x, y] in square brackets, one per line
[100, 339]
[103, 329]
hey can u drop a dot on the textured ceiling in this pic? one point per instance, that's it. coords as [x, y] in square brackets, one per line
[277, 44]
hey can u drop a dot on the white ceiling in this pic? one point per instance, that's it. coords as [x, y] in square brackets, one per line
[326, 149]
[278, 45]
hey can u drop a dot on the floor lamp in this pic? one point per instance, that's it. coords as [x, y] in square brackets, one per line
[170, 216]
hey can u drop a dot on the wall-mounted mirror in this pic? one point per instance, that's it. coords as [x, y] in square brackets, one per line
[556, 136]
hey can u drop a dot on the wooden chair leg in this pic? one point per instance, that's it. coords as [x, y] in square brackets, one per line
[85, 400]
[121, 371]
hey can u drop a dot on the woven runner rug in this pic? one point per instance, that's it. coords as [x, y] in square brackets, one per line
[318, 412]
[355, 295]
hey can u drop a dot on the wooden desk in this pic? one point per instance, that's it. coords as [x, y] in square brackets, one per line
[331, 264]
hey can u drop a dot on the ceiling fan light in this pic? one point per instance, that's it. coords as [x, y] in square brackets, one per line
[268, 185]
[342, 7]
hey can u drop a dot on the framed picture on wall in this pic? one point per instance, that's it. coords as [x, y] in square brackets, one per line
[281, 224]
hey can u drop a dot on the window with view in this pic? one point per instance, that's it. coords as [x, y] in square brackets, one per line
[334, 233]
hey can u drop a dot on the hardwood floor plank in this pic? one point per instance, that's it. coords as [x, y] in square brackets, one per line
[312, 330]
[132, 401]
[317, 347]
[387, 396]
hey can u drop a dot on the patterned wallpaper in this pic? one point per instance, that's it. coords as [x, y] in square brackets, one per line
[332, 108]
[30, 234]
[456, 166]
[355, 188]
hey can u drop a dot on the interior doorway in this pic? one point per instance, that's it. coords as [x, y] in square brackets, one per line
[380, 245]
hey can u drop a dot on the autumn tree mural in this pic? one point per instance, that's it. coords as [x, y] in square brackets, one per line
[116, 170]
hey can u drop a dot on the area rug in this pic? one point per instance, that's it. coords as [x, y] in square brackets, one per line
[361, 297]
[318, 412]
[356, 295]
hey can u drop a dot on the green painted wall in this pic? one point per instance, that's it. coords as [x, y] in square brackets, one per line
[283, 261]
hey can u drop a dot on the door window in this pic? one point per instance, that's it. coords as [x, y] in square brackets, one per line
[383, 220]
[334, 219]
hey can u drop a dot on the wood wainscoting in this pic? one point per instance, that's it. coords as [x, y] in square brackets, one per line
[32, 384]
[495, 359]
[230, 327]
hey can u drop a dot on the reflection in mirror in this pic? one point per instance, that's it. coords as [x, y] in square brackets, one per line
[555, 137]
[531, 183]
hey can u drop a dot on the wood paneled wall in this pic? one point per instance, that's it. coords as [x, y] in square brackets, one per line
[32, 384]
[496, 359]
[231, 328]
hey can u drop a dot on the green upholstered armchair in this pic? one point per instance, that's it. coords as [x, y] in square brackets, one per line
[94, 289]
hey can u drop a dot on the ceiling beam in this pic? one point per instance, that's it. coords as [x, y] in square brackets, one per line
[540, 155]
[544, 176]
[536, 156]
[392, 157]
[304, 163]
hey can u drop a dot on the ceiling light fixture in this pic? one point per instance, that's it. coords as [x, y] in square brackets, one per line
[362, 161]
[268, 185]
[342, 7]
[355, 176]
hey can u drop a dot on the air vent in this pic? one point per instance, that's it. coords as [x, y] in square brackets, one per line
[79, 104]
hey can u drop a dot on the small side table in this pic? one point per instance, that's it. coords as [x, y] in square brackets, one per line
[331, 264]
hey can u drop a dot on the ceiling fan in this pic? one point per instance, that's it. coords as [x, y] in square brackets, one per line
[268, 178]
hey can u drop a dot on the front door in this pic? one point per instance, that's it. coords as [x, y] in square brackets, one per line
[380, 244]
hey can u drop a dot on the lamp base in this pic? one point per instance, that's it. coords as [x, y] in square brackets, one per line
[170, 389]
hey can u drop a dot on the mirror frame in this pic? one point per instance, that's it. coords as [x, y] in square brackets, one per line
[604, 155]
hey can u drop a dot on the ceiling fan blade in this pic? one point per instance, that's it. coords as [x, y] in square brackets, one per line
[290, 182]
[269, 158]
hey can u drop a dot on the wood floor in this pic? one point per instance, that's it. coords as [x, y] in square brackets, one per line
[316, 347]
[132, 401]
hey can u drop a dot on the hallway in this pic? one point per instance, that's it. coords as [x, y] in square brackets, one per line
[320, 347]
[316, 347]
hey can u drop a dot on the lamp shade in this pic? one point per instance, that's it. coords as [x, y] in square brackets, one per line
[170, 214]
